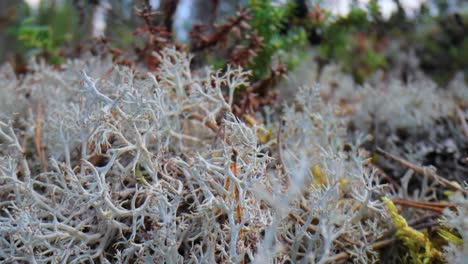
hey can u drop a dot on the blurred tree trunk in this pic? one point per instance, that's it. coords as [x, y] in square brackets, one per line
[206, 12]
[169, 8]
[99, 18]
[8, 13]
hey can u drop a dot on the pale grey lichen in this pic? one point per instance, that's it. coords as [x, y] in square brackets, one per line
[155, 167]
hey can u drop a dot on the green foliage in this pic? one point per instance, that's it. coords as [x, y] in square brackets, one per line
[352, 41]
[374, 9]
[420, 248]
[268, 21]
[38, 40]
[359, 41]
[44, 34]
[442, 44]
[450, 237]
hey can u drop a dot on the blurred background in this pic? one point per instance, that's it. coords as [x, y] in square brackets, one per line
[266, 36]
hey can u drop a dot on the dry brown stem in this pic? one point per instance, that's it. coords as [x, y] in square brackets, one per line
[435, 207]
[38, 139]
[423, 171]
[461, 116]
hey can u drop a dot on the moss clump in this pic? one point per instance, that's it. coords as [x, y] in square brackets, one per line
[420, 248]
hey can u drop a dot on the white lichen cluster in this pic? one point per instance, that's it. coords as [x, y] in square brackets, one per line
[459, 222]
[102, 164]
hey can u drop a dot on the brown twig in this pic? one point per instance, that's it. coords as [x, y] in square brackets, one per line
[340, 256]
[387, 177]
[233, 168]
[298, 219]
[155, 37]
[261, 87]
[438, 204]
[382, 243]
[425, 206]
[201, 42]
[279, 142]
[423, 171]
[244, 55]
[259, 93]
[38, 139]
[461, 116]
[211, 125]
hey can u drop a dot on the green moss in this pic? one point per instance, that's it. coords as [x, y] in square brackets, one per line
[420, 248]
[268, 21]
